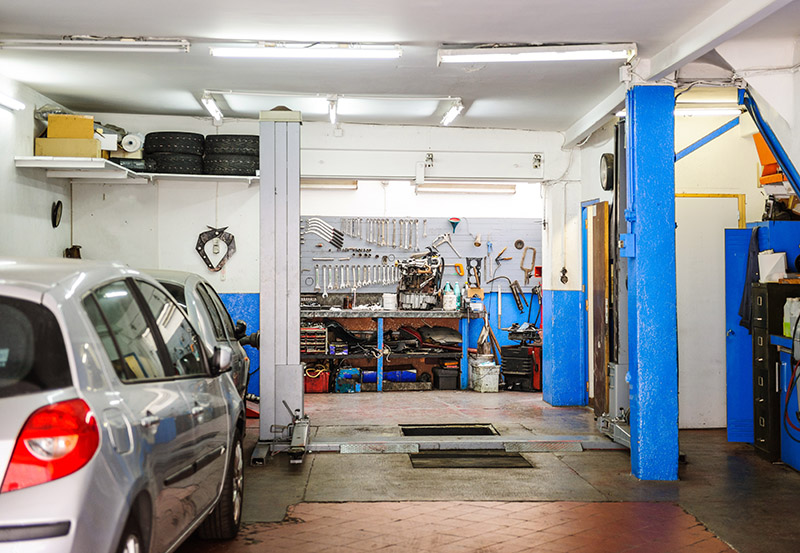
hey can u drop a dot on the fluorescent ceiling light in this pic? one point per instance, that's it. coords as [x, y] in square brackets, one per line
[332, 110]
[11, 103]
[466, 187]
[698, 112]
[707, 112]
[310, 51]
[328, 184]
[211, 106]
[452, 113]
[79, 44]
[575, 52]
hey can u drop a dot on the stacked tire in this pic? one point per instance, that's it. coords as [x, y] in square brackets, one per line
[231, 154]
[174, 152]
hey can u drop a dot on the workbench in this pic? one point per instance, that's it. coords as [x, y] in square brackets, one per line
[379, 317]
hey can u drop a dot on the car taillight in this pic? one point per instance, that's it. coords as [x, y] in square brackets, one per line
[56, 441]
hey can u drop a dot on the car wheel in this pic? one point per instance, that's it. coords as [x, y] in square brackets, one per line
[131, 541]
[223, 522]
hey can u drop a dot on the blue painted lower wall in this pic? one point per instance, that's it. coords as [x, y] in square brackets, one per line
[563, 378]
[245, 307]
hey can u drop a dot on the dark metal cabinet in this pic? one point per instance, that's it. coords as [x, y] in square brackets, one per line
[768, 300]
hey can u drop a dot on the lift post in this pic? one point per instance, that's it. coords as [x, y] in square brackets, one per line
[281, 372]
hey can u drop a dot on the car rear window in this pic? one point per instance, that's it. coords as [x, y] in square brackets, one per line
[32, 353]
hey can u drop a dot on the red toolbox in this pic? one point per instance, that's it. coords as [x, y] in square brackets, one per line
[316, 381]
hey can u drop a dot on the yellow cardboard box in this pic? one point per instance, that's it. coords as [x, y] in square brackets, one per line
[70, 126]
[67, 147]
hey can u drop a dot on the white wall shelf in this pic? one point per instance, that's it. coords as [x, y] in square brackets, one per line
[95, 169]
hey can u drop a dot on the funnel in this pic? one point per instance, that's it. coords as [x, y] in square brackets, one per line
[454, 222]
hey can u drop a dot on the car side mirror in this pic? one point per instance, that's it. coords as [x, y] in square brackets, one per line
[221, 360]
[240, 330]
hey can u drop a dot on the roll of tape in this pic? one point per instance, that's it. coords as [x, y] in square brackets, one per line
[132, 142]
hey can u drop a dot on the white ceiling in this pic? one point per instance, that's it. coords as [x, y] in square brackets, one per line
[544, 96]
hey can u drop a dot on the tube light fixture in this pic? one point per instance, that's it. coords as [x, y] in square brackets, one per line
[11, 103]
[452, 113]
[328, 184]
[309, 51]
[466, 187]
[332, 104]
[573, 52]
[698, 112]
[211, 106]
[84, 44]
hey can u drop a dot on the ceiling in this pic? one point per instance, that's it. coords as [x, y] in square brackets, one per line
[542, 96]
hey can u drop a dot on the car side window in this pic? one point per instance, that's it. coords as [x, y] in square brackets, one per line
[183, 345]
[216, 321]
[124, 333]
[223, 312]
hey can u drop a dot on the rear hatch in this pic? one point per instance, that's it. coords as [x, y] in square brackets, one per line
[33, 363]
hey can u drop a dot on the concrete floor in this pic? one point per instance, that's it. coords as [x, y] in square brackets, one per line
[748, 503]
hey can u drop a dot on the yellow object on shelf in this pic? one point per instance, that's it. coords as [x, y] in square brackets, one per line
[70, 126]
[67, 147]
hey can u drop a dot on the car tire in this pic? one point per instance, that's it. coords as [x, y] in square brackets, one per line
[224, 521]
[174, 142]
[237, 144]
[131, 540]
[183, 164]
[230, 164]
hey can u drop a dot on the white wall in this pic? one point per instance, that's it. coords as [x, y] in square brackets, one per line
[156, 225]
[26, 196]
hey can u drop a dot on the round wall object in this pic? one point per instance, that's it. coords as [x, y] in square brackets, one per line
[55, 213]
[607, 171]
[519, 244]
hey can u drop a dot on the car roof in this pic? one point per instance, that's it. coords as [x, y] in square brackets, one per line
[44, 275]
[183, 278]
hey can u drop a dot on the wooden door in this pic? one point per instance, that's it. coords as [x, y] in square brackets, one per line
[597, 304]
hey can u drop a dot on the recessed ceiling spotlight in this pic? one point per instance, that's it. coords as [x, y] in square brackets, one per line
[572, 52]
[309, 51]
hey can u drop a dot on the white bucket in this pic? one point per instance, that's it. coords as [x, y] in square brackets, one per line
[484, 377]
[390, 302]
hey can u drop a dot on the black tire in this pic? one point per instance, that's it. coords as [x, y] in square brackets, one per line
[132, 164]
[174, 142]
[224, 521]
[238, 144]
[131, 540]
[184, 164]
[230, 164]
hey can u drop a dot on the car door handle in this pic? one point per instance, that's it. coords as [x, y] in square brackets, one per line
[198, 410]
[150, 420]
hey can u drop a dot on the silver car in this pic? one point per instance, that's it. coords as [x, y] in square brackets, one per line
[119, 433]
[206, 310]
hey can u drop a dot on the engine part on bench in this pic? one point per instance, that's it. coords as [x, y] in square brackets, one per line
[420, 281]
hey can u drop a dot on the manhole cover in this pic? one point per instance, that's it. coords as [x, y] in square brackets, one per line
[448, 430]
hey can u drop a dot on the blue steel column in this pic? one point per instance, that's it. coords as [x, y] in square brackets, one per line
[379, 374]
[463, 327]
[652, 308]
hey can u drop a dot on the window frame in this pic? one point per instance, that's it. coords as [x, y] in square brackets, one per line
[163, 354]
[201, 289]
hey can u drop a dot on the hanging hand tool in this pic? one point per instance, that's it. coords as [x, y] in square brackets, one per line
[444, 239]
[316, 278]
[498, 258]
[394, 233]
[425, 228]
[516, 292]
[529, 269]
[459, 269]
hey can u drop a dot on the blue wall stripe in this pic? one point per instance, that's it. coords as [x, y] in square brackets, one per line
[245, 307]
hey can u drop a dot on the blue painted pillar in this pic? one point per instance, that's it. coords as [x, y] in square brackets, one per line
[652, 309]
[463, 327]
[379, 375]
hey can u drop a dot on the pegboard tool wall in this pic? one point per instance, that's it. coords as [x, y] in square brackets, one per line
[501, 233]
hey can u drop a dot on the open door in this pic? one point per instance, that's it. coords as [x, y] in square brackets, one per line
[597, 305]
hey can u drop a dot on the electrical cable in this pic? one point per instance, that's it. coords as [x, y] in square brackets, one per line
[792, 387]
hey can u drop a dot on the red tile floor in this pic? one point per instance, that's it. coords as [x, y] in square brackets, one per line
[486, 527]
